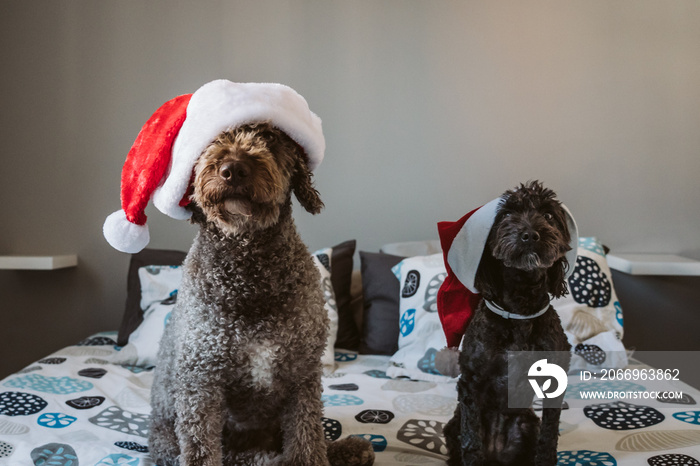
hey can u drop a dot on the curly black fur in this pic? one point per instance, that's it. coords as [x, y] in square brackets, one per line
[523, 264]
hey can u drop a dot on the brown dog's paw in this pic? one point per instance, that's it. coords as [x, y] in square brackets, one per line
[350, 451]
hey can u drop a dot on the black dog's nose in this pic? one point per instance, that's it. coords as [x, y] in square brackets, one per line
[529, 235]
[234, 172]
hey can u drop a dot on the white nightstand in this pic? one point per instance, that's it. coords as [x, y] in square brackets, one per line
[38, 262]
[654, 264]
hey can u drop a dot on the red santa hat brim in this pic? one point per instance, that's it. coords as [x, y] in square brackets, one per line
[466, 249]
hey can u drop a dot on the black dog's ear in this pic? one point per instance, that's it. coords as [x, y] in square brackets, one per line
[489, 277]
[556, 278]
[302, 184]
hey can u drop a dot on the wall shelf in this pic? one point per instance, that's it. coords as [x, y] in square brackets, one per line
[38, 262]
[654, 264]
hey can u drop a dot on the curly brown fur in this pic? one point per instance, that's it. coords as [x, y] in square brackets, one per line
[238, 379]
[523, 264]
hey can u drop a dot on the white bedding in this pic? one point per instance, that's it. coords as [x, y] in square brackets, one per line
[77, 408]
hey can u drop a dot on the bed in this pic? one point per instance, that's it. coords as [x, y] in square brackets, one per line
[385, 379]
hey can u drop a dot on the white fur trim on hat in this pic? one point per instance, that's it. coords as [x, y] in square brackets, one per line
[222, 105]
[123, 235]
[572, 254]
[465, 253]
[468, 246]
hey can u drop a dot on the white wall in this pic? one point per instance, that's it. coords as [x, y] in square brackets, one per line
[429, 110]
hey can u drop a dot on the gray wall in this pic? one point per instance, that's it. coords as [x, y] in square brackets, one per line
[429, 109]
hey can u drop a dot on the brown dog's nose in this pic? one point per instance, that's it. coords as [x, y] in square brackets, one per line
[234, 172]
[529, 235]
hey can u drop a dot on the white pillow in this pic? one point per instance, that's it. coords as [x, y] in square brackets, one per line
[159, 285]
[142, 349]
[591, 313]
[412, 248]
[420, 335]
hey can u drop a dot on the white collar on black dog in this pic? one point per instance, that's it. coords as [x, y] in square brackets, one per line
[511, 315]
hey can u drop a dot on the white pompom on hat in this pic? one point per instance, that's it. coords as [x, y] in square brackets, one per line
[162, 158]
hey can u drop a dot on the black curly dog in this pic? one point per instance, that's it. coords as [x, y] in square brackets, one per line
[523, 264]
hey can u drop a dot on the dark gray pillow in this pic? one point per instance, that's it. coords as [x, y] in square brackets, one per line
[380, 318]
[348, 336]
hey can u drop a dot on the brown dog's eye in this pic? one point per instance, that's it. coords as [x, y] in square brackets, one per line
[548, 216]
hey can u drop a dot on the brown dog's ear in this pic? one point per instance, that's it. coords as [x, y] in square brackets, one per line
[302, 184]
[198, 216]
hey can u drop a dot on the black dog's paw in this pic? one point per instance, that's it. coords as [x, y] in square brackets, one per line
[546, 459]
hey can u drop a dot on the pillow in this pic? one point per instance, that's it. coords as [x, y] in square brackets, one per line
[591, 313]
[420, 333]
[341, 277]
[323, 261]
[412, 248]
[133, 314]
[159, 283]
[380, 316]
[158, 287]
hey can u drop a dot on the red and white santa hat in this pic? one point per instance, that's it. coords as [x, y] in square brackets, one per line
[463, 244]
[162, 158]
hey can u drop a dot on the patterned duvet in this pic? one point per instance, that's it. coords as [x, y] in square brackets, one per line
[75, 407]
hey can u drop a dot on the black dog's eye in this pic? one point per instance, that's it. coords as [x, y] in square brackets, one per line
[548, 216]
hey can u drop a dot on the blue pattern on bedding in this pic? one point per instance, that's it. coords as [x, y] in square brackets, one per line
[56, 420]
[585, 458]
[54, 454]
[691, 417]
[118, 459]
[408, 322]
[55, 385]
[341, 400]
